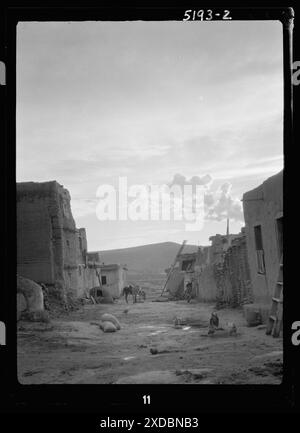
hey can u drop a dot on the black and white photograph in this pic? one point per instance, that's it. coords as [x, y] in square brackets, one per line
[149, 201]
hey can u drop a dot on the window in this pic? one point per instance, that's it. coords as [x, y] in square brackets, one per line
[80, 243]
[261, 269]
[68, 243]
[103, 280]
[279, 229]
[258, 238]
[187, 265]
[79, 270]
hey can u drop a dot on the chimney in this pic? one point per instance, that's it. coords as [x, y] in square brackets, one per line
[227, 231]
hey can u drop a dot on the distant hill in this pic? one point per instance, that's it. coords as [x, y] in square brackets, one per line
[153, 258]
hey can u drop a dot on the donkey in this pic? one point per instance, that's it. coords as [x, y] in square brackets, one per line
[130, 290]
[135, 291]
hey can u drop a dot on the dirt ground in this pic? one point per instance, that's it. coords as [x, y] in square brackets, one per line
[72, 350]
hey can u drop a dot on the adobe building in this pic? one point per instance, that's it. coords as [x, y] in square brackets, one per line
[179, 275]
[194, 268]
[220, 244]
[94, 256]
[263, 213]
[232, 275]
[200, 274]
[212, 286]
[50, 249]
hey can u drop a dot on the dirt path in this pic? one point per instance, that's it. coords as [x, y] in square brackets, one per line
[72, 350]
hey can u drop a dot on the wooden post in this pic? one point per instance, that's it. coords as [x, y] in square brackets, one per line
[173, 266]
[98, 275]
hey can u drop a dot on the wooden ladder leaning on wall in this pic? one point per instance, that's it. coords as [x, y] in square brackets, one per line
[173, 266]
[274, 326]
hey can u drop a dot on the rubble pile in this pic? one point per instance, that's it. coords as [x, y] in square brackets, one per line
[39, 302]
[57, 301]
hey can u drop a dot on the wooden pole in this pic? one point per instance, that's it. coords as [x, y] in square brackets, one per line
[173, 266]
[98, 275]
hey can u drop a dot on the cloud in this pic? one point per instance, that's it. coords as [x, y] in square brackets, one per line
[225, 188]
[209, 199]
[218, 205]
[116, 112]
[224, 206]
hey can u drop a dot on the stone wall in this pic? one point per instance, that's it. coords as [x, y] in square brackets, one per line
[233, 275]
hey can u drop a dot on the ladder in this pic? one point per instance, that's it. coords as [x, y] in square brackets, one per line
[274, 325]
[173, 266]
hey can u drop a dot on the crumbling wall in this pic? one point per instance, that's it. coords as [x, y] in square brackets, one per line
[262, 206]
[232, 276]
[50, 248]
[82, 247]
[34, 231]
[70, 244]
[94, 256]
[91, 278]
[47, 238]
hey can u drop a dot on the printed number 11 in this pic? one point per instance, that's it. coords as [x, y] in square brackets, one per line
[146, 399]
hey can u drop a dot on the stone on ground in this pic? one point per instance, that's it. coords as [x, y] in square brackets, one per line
[32, 293]
[108, 327]
[110, 318]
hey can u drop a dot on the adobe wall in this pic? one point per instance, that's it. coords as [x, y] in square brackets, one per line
[113, 283]
[82, 247]
[94, 256]
[175, 284]
[207, 288]
[70, 244]
[233, 275]
[39, 249]
[48, 247]
[122, 279]
[261, 207]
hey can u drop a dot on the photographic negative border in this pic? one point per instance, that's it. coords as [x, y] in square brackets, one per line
[123, 399]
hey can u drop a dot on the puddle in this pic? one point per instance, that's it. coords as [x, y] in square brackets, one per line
[152, 327]
[82, 341]
[157, 332]
[147, 326]
[275, 354]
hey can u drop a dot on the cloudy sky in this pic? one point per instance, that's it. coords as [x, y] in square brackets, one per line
[157, 102]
